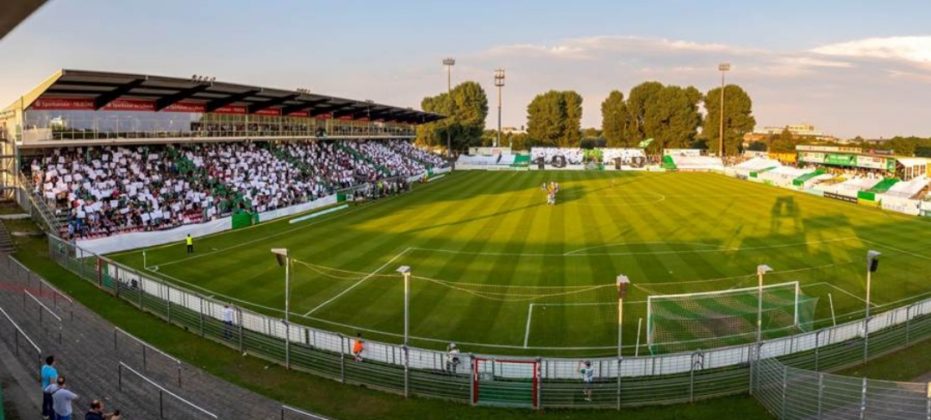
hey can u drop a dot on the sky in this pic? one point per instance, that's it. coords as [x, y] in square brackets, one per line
[848, 67]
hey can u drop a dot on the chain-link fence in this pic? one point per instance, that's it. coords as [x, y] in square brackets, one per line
[616, 382]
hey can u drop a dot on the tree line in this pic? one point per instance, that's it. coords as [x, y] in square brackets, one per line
[668, 114]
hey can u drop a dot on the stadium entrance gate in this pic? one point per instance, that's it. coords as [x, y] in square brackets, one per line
[506, 383]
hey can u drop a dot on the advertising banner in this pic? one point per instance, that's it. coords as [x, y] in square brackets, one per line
[87, 104]
[816, 157]
[841, 197]
[840, 160]
[872, 162]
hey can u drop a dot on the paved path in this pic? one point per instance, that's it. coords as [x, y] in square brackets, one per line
[89, 358]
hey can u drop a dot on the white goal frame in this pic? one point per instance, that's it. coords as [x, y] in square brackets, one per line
[652, 298]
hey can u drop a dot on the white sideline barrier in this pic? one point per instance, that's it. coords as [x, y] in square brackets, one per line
[135, 240]
[666, 364]
[901, 205]
[298, 208]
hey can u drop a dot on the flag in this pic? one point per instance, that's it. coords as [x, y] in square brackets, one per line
[645, 143]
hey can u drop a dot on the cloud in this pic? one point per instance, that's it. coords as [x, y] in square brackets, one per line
[588, 48]
[843, 88]
[914, 49]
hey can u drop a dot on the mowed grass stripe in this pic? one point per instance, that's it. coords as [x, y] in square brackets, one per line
[381, 299]
[493, 228]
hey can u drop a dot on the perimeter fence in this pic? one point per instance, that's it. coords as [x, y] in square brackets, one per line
[793, 393]
[498, 380]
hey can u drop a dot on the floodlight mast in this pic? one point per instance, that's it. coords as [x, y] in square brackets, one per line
[281, 256]
[723, 68]
[499, 83]
[872, 264]
[622, 284]
[406, 272]
[761, 270]
[449, 62]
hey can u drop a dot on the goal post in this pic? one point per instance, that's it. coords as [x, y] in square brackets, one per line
[687, 321]
[506, 383]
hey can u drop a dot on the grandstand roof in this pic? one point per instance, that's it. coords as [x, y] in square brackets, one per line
[106, 87]
[16, 11]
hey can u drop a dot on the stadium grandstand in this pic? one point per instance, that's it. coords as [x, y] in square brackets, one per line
[110, 153]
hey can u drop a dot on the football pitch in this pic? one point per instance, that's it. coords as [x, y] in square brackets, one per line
[497, 270]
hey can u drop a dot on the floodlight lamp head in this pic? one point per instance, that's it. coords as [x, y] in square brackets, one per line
[622, 284]
[872, 260]
[763, 269]
[449, 61]
[281, 255]
[404, 269]
[724, 66]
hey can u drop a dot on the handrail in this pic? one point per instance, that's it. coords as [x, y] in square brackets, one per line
[15, 325]
[42, 305]
[300, 412]
[41, 280]
[161, 388]
[27, 188]
[145, 344]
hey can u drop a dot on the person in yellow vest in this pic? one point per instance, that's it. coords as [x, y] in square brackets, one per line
[189, 241]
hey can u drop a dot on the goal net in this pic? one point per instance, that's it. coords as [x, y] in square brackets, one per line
[691, 321]
[505, 383]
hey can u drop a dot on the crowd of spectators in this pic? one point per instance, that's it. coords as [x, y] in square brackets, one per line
[391, 162]
[105, 190]
[407, 149]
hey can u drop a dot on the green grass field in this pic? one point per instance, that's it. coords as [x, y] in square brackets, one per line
[497, 270]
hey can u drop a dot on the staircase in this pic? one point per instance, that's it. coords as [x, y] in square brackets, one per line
[6, 241]
[50, 221]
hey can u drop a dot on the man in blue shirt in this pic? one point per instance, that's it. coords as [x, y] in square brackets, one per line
[48, 375]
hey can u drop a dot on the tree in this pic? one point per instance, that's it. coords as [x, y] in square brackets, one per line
[757, 146]
[671, 117]
[573, 130]
[784, 142]
[738, 118]
[465, 108]
[637, 101]
[554, 118]
[615, 120]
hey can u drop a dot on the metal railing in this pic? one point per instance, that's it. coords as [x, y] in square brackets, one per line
[627, 381]
[793, 393]
[38, 208]
[17, 332]
[146, 348]
[42, 311]
[288, 412]
[162, 392]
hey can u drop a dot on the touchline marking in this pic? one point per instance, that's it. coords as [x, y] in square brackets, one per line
[897, 249]
[703, 251]
[637, 243]
[527, 330]
[327, 302]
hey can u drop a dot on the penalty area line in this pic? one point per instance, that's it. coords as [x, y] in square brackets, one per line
[354, 285]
